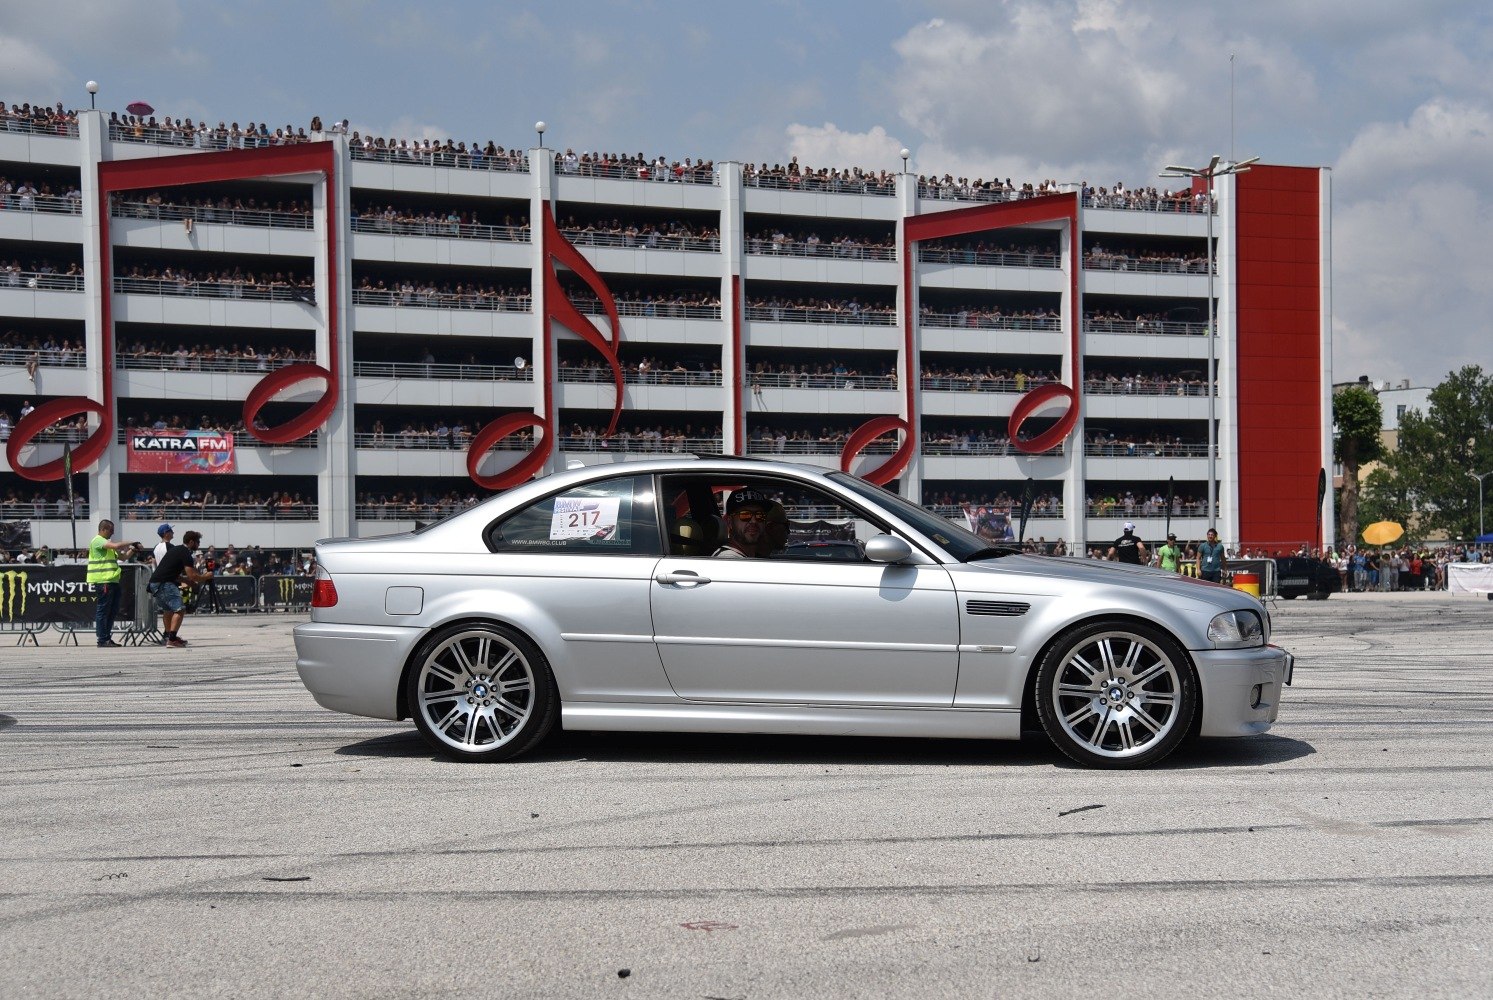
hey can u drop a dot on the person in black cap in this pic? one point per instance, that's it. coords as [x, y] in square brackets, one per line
[1169, 556]
[1129, 549]
[746, 523]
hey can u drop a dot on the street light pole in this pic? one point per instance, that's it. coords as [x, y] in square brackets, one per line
[1480, 476]
[1217, 167]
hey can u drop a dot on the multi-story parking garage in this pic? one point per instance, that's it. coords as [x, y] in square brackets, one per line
[383, 334]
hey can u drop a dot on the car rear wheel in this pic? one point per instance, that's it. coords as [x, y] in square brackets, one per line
[481, 692]
[1116, 695]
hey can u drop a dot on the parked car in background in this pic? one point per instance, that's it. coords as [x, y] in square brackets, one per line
[1301, 576]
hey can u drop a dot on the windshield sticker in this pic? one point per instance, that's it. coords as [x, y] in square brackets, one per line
[585, 517]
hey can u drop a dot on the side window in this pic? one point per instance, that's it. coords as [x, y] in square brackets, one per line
[615, 517]
[800, 522]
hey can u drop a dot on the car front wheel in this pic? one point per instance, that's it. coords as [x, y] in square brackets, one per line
[481, 692]
[1116, 695]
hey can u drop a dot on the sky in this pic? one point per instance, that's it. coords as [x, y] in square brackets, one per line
[1395, 97]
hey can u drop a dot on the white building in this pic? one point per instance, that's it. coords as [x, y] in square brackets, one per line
[781, 316]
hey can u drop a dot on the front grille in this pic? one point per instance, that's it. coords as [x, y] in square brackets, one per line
[1007, 609]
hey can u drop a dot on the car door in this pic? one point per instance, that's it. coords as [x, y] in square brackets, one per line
[575, 569]
[807, 630]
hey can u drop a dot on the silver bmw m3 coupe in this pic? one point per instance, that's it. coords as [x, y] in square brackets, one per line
[737, 596]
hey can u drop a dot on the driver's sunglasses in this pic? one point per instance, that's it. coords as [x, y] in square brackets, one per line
[750, 515]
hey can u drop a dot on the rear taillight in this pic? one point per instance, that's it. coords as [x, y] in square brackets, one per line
[323, 590]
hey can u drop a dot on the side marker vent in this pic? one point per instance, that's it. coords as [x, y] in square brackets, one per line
[1004, 609]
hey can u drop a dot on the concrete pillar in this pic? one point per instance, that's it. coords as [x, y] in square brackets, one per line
[909, 351]
[733, 353]
[103, 477]
[541, 194]
[337, 482]
[1225, 229]
[1074, 474]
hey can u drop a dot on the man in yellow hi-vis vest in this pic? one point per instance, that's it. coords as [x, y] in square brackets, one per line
[104, 575]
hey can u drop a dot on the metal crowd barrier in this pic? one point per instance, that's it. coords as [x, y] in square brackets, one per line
[35, 599]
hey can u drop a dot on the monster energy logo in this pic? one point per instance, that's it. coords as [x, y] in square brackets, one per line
[287, 589]
[13, 594]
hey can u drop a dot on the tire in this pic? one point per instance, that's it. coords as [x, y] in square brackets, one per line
[479, 691]
[1116, 694]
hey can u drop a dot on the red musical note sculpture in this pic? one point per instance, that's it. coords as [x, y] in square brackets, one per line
[315, 158]
[962, 222]
[555, 249]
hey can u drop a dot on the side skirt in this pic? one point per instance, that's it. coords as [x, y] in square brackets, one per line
[795, 720]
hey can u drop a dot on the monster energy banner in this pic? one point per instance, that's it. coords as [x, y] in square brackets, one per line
[233, 593]
[40, 595]
[282, 592]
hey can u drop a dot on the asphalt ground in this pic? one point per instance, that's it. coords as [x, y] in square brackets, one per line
[189, 823]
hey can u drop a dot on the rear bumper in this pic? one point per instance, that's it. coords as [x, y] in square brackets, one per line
[354, 668]
[1241, 688]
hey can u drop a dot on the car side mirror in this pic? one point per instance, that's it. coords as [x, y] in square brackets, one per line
[887, 549]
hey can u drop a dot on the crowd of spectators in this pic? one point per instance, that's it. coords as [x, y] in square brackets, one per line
[796, 177]
[982, 251]
[25, 196]
[54, 120]
[446, 294]
[430, 222]
[178, 205]
[645, 371]
[424, 505]
[767, 440]
[635, 166]
[1108, 445]
[808, 309]
[232, 284]
[41, 274]
[189, 134]
[157, 354]
[1143, 384]
[34, 351]
[443, 432]
[431, 152]
[660, 236]
[1128, 505]
[642, 439]
[213, 503]
[807, 243]
[669, 305]
[988, 317]
[1100, 258]
[1132, 321]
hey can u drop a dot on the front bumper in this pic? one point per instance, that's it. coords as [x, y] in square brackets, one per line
[354, 668]
[1241, 688]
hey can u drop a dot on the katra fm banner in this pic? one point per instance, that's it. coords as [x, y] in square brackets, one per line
[180, 452]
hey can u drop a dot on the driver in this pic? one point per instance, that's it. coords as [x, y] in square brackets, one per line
[746, 525]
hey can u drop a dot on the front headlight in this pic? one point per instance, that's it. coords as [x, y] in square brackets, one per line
[1236, 630]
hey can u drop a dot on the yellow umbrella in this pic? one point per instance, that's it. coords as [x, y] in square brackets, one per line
[1382, 532]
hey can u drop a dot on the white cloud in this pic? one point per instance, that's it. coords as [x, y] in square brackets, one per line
[27, 70]
[1413, 234]
[829, 146]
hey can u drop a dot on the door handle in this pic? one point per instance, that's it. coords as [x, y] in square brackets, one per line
[682, 577]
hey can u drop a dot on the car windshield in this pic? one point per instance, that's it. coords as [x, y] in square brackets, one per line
[960, 543]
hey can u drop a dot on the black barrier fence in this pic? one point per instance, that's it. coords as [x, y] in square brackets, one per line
[222, 594]
[285, 593]
[35, 599]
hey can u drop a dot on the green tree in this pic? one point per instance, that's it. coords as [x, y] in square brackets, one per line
[1357, 419]
[1439, 448]
[1385, 498]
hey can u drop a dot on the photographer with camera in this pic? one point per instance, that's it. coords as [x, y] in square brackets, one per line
[165, 585]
